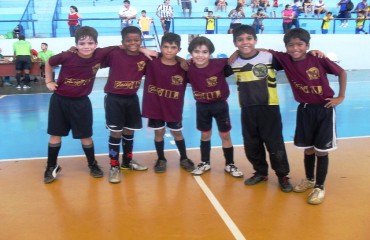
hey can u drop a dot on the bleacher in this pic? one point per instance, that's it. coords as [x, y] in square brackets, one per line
[108, 9]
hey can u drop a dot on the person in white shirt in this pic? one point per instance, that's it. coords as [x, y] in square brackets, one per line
[127, 13]
[320, 8]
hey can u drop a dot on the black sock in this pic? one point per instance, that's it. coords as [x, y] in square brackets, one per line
[309, 166]
[90, 153]
[128, 146]
[53, 151]
[159, 147]
[229, 155]
[321, 170]
[182, 149]
[205, 151]
[18, 77]
[114, 146]
[26, 79]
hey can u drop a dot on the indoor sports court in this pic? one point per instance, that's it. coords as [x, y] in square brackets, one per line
[175, 204]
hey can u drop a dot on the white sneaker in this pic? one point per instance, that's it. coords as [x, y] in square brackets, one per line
[304, 185]
[114, 175]
[201, 168]
[345, 25]
[316, 196]
[341, 25]
[233, 170]
[18, 86]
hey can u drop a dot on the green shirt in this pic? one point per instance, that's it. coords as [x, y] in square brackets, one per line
[45, 55]
[22, 48]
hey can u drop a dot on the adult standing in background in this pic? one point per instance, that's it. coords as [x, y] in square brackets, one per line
[288, 16]
[73, 20]
[236, 15]
[165, 14]
[127, 13]
[186, 4]
[22, 54]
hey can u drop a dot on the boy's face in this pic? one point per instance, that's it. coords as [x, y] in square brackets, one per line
[169, 50]
[143, 14]
[210, 14]
[297, 49]
[132, 43]
[86, 47]
[246, 45]
[200, 56]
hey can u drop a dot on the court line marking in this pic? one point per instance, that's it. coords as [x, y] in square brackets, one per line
[219, 209]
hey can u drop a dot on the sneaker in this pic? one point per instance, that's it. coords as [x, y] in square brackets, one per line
[95, 170]
[285, 185]
[187, 164]
[233, 170]
[316, 196]
[18, 86]
[201, 168]
[7, 84]
[341, 25]
[133, 165]
[114, 175]
[26, 87]
[345, 25]
[51, 173]
[304, 185]
[256, 178]
[160, 166]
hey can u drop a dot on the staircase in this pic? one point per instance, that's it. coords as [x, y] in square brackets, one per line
[44, 10]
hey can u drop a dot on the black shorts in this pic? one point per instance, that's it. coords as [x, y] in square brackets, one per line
[122, 111]
[186, 5]
[217, 110]
[67, 114]
[315, 127]
[23, 62]
[159, 124]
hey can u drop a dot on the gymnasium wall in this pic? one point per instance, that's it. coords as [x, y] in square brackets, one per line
[352, 51]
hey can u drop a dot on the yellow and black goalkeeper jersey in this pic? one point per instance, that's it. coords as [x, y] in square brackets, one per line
[256, 80]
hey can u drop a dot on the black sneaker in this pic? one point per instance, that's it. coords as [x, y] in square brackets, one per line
[285, 185]
[95, 170]
[187, 164]
[51, 173]
[160, 166]
[256, 178]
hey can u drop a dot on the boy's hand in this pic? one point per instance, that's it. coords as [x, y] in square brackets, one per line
[317, 53]
[72, 49]
[233, 57]
[52, 86]
[333, 102]
[149, 53]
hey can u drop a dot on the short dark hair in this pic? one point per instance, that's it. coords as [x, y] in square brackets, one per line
[86, 31]
[128, 30]
[199, 41]
[127, 1]
[44, 43]
[210, 11]
[21, 37]
[171, 38]
[299, 33]
[244, 29]
[143, 11]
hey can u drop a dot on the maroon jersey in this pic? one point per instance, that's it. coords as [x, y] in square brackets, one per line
[308, 77]
[164, 91]
[77, 74]
[125, 72]
[209, 83]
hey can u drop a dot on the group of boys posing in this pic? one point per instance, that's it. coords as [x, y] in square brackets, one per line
[163, 101]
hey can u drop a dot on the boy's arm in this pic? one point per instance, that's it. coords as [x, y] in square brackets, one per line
[335, 101]
[148, 53]
[183, 63]
[233, 57]
[50, 84]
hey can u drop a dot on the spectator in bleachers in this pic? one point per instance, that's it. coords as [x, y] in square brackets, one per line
[288, 15]
[344, 13]
[127, 13]
[186, 4]
[308, 6]
[360, 21]
[297, 8]
[326, 23]
[221, 5]
[255, 4]
[241, 2]
[258, 20]
[236, 15]
[361, 6]
[320, 8]
[165, 14]
[264, 4]
[275, 5]
[73, 20]
[144, 22]
[211, 22]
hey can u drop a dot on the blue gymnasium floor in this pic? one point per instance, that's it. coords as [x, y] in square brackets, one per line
[24, 120]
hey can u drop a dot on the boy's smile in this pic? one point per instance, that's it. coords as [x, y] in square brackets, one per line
[297, 49]
[246, 45]
[86, 47]
[200, 56]
[169, 52]
[132, 43]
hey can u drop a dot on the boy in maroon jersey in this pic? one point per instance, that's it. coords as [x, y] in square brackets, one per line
[315, 130]
[163, 100]
[70, 107]
[210, 90]
[122, 108]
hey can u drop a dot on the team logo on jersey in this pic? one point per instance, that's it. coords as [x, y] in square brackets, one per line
[211, 82]
[95, 68]
[260, 70]
[140, 66]
[177, 80]
[313, 73]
